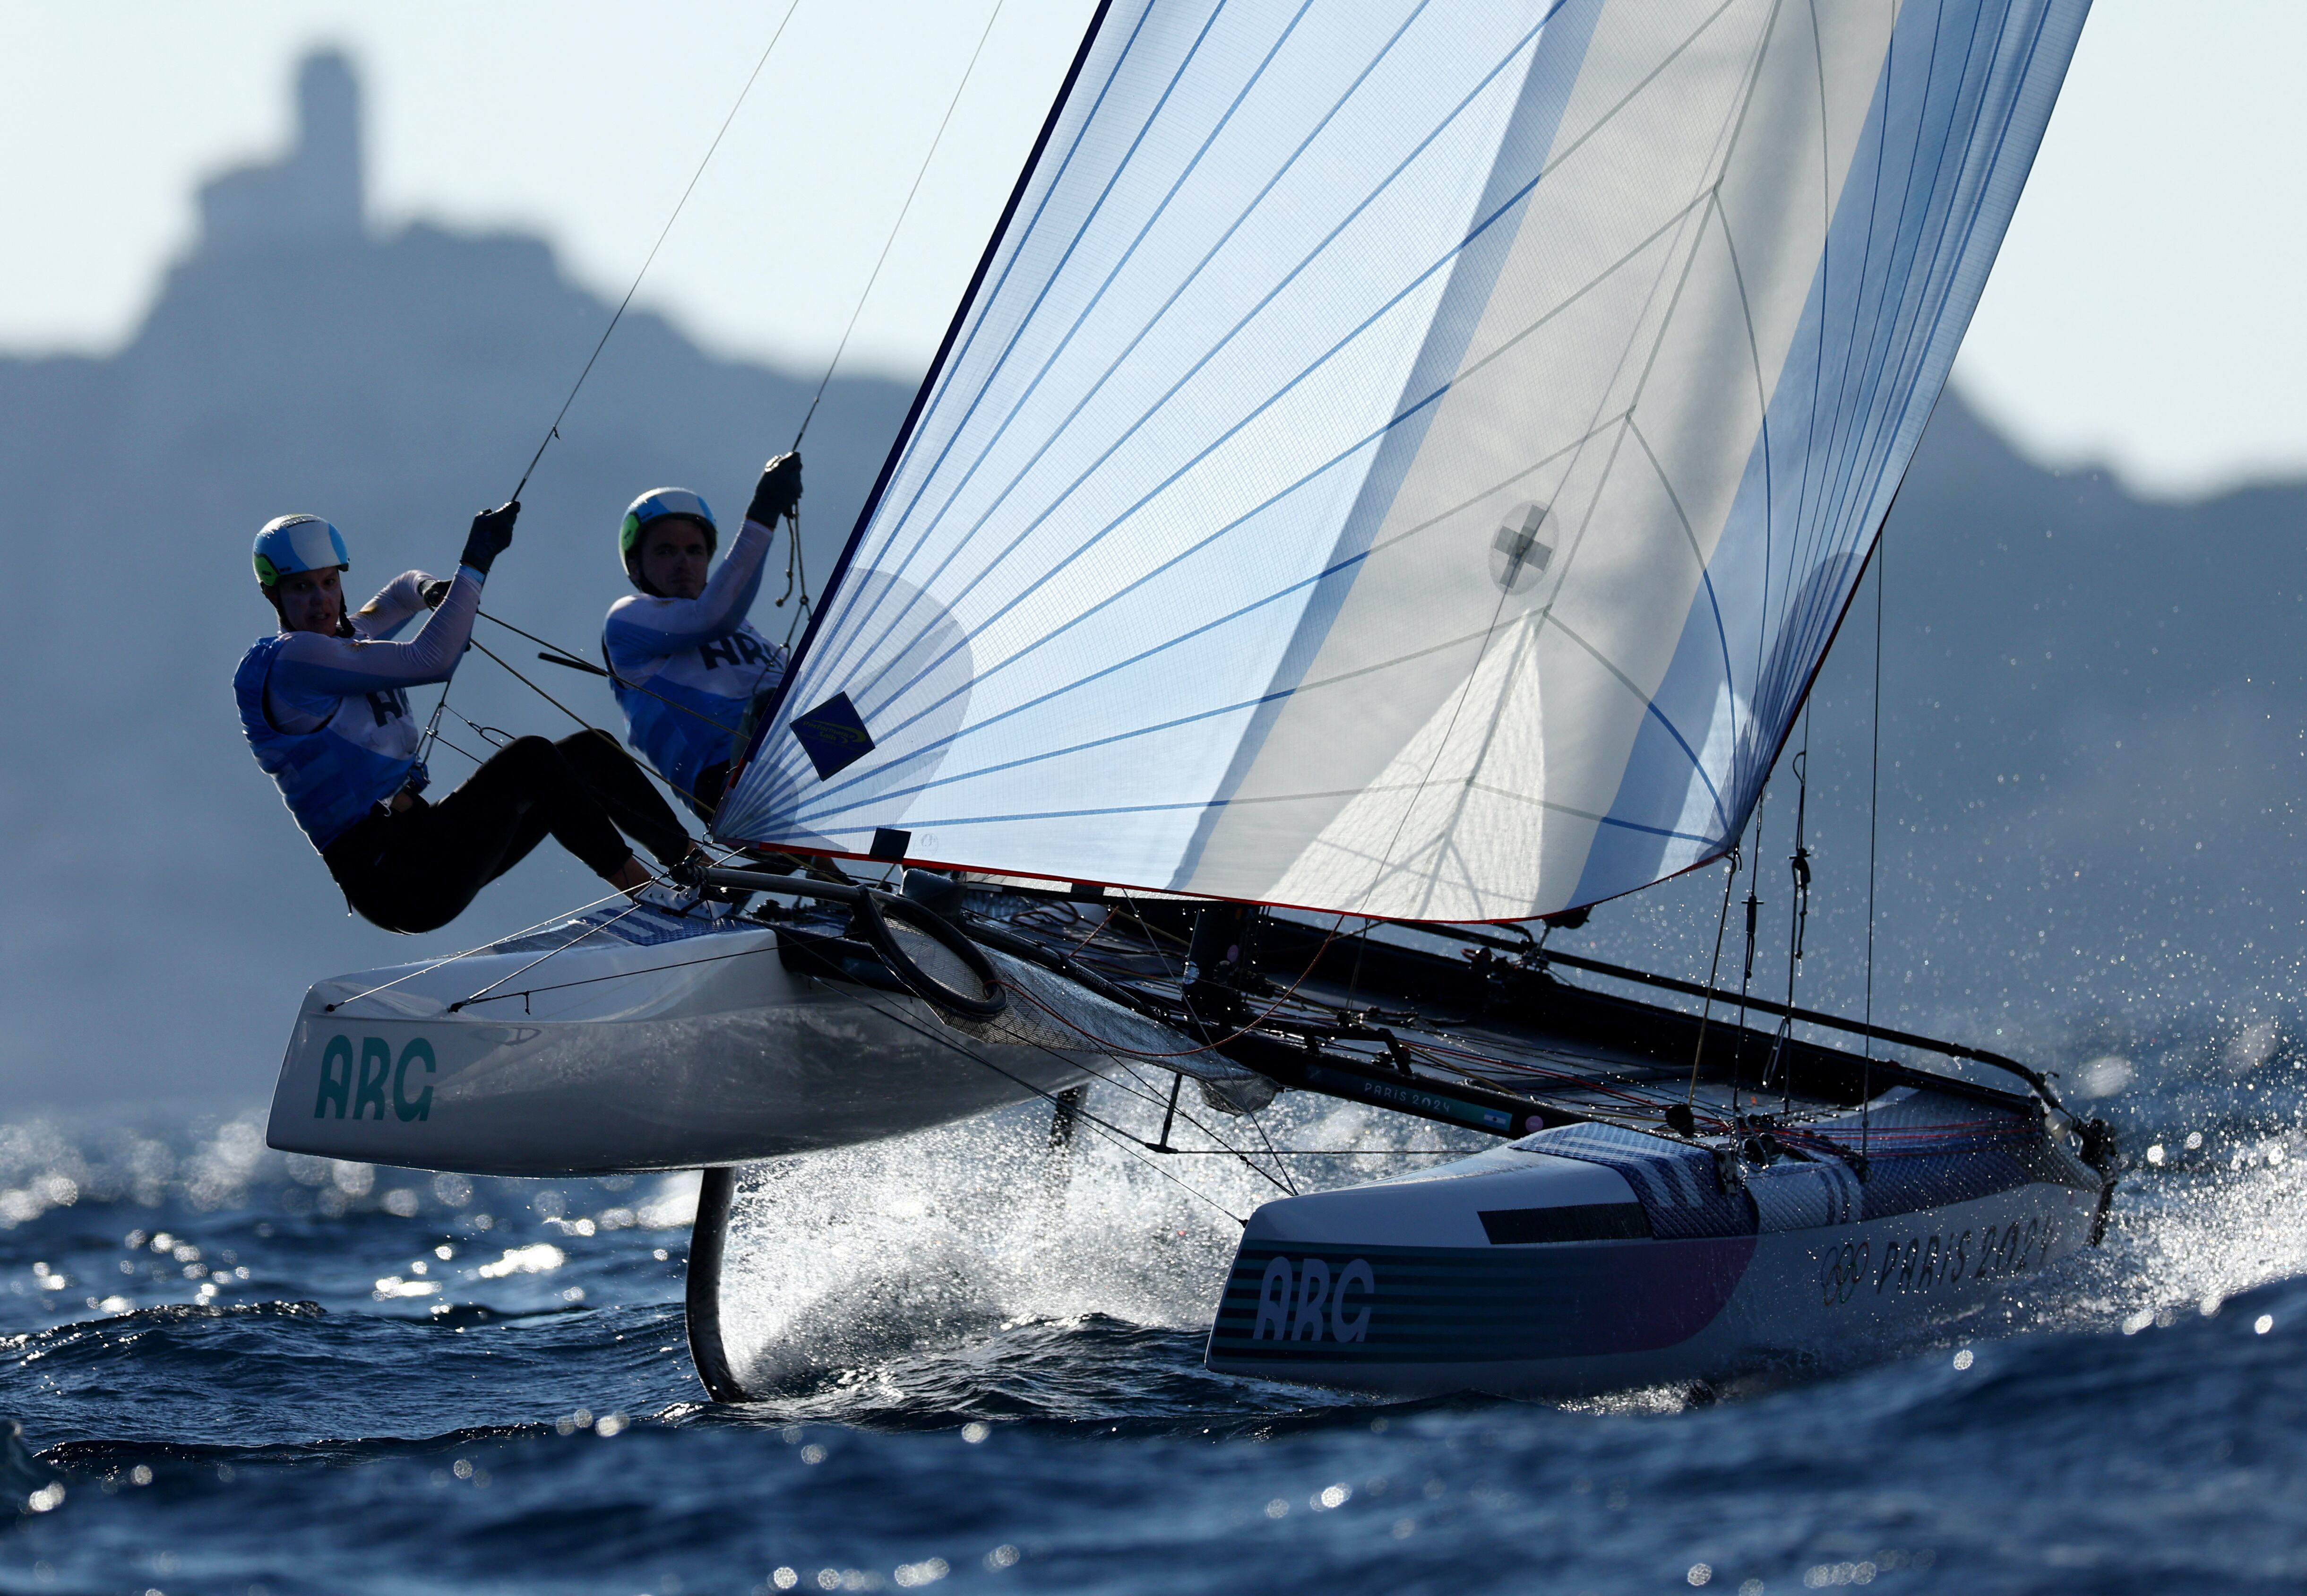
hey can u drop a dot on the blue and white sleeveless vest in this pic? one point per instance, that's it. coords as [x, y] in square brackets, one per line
[334, 775]
[713, 684]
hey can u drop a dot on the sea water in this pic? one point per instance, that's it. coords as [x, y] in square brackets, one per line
[240, 1372]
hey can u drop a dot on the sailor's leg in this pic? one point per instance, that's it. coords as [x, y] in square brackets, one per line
[525, 792]
[418, 874]
[704, 798]
[611, 775]
[426, 864]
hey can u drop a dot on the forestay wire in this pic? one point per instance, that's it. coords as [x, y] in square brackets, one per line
[898, 227]
[553, 430]
[795, 575]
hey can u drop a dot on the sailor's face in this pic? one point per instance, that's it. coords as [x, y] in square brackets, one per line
[675, 555]
[313, 600]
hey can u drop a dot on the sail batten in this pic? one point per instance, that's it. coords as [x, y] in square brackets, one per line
[1412, 464]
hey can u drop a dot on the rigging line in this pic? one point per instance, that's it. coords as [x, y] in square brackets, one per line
[1278, 1177]
[570, 656]
[1258, 1125]
[453, 749]
[488, 734]
[1112, 1133]
[1798, 908]
[951, 106]
[1135, 1085]
[1095, 931]
[451, 959]
[1144, 1090]
[1874, 796]
[432, 726]
[475, 997]
[580, 720]
[1746, 980]
[539, 692]
[1707, 1013]
[553, 430]
[710, 958]
[796, 569]
[630, 908]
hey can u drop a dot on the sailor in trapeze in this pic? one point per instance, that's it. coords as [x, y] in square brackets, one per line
[324, 703]
[687, 664]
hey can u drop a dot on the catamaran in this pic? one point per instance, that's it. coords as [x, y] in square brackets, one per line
[1389, 486]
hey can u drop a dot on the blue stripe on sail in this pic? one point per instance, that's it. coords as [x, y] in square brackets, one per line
[853, 632]
[960, 338]
[1358, 447]
[1922, 280]
[1553, 73]
[928, 823]
[877, 644]
[1414, 413]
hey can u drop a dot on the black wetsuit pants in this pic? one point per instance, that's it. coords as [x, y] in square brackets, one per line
[418, 870]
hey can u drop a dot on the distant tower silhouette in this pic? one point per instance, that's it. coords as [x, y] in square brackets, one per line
[318, 194]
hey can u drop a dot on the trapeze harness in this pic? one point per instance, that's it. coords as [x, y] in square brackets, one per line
[686, 671]
[328, 719]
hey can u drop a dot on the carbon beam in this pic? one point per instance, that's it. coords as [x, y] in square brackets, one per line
[1447, 1102]
[1579, 1015]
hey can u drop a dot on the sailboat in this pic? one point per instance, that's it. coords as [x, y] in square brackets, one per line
[1389, 485]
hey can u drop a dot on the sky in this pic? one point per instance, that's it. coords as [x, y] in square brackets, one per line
[2146, 312]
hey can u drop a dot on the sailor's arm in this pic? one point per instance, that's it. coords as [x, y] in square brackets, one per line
[391, 610]
[311, 665]
[641, 628]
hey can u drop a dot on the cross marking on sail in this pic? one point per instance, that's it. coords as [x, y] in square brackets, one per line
[1517, 540]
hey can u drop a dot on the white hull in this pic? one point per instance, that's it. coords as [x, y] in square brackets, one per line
[697, 1050]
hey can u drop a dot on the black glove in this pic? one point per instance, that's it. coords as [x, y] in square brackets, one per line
[778, 492]
[490, 535]
[433, 591]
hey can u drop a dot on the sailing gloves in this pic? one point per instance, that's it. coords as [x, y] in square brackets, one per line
[433, 591]
[490, 535]
[778, 494]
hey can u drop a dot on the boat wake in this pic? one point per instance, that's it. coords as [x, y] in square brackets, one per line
[2202, 1215]
[878, 1255]
[973, 1270]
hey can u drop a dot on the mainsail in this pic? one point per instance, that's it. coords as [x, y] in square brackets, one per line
[1409, 459]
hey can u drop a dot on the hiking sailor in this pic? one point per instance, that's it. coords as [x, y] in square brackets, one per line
[324, 704]
[685, 663]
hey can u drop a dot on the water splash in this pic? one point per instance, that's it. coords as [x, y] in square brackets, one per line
[846, 1261]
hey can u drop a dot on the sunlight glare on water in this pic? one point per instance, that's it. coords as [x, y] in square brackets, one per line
[986, 1370]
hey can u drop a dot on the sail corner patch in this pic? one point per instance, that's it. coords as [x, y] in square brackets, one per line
[833, 735]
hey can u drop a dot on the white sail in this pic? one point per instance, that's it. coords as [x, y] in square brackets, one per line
[1409, 459]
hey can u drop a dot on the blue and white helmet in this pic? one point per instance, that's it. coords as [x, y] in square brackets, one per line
[295, 543]
[655, 505]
